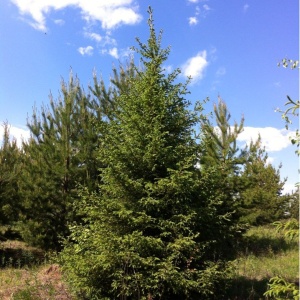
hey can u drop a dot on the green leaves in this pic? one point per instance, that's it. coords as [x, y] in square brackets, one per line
[281, 289]
[286, 62]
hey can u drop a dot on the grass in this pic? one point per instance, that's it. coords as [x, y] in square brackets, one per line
[17, 254]
[284, 264]
[265, 253]
[43, 282]
[26, 274]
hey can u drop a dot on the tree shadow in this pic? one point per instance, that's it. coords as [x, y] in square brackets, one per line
[243, 288]
[19, 257]
[258, 245]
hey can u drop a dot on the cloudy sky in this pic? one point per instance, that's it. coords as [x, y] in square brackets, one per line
[230, 48]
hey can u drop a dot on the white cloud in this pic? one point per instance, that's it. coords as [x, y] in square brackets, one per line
[86, 50]
[195, 66]
[168, 69]
[193, 21]
[245, 7]
[221, 72]
[193, 1]
[118, 53]
[289, 188]
[17, 133]
[109, 41]
[277, 84]
[93, 36]
[110, 14]
[270, 160]
[59, 22]
[127, 53]
[272, 138]
[113, 52]
[206, 7]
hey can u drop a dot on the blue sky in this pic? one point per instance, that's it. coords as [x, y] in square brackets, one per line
[230, 48]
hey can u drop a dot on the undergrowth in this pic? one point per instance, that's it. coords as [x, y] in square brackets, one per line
[27, 273]
[264, 253]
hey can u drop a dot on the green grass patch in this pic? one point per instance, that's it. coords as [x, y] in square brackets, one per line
[263, 254]
[285, 264]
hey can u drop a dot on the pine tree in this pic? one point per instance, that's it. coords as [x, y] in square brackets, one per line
[261, 198]
[10, 167]
[221, 154]
[140, 238]
[221, 163]
[60, 155]
[251, 187]
[220, 140]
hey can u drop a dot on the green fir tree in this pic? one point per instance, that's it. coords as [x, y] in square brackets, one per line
[140, 238]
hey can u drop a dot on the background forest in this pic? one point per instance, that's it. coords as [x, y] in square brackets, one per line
[140, 195]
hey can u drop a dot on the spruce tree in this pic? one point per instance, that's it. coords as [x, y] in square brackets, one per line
[140, 238]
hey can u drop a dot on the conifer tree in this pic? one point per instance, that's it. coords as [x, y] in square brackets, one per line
[251, 187]
[221, 162]
[53, 166]
[261, 197]
[10, 167]
[60, 155]
[140, 238]
[220, 139]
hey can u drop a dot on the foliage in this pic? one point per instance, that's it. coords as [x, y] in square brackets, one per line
[290, 228]
[286, 62]
[261, 199]
[292, 105]
[281, 289]
[220, 141]
[10, 167]
[293, 204]
[149, 232]
[147, 209]
[221, 155]
[59, 155]
[251, 186]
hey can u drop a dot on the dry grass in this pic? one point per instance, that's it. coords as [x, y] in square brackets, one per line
[44, 282]
[37, 280]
